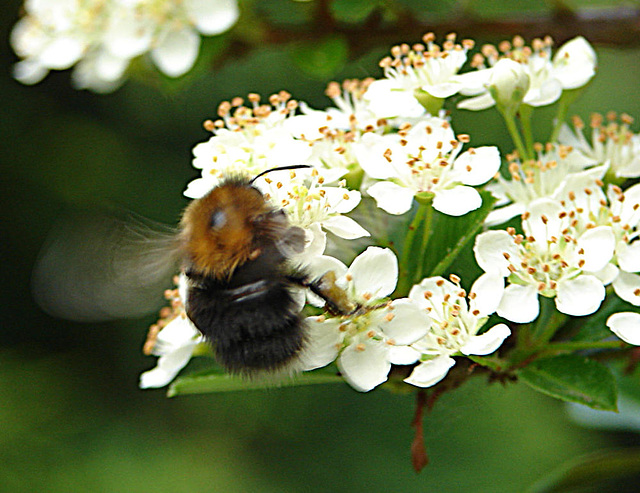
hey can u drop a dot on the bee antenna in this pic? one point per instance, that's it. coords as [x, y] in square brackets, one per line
[280, 168]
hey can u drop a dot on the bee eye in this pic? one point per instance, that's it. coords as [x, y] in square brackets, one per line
[218, 219]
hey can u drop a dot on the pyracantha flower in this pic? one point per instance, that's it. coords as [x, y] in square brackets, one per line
[557, 171]
[426, 158]
[573, 65]
[455, 323]
[625, 221]
[620, 211]
[415, 74]
[174, 339]
[310, 203]
[551, 259]
[613, 143]
[101, 37]
[247, 141]
[367, 342]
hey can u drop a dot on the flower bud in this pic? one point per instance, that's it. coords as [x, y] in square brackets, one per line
[508, 85]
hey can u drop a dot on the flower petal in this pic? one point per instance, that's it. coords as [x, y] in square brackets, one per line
[167, 368]
[374, 273]
[430, 372]
[404, 322]
[390, 197]
[322, 346]
[492, 249]
[477, 103]
[212, 18]
[477, 166]
[519, 303]
[580, 296]
[597, 244]
[403, 355]
[457, 201]
[503, 214]
[629, 256]
[544, 222]
[627, 287]
[626, 325]
[488, 290]
[177, 51]
[344, 227]
[365, 366]
[488, 342]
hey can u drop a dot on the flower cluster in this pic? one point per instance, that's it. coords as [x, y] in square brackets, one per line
[102, 37]
[388, 142]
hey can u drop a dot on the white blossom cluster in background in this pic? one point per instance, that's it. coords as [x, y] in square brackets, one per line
[578, 233]
[99, 38]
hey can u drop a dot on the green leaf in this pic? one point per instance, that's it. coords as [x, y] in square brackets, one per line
[321, 59]
[451, 234]
[602, 471]
[217, 381]
[573, 378]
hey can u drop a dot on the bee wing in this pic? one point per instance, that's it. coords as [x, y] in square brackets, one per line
[96, 267]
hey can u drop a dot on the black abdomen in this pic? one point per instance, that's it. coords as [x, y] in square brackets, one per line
[253, 324]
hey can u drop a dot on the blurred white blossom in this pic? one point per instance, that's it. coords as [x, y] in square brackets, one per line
[101, 37]
[173, 340]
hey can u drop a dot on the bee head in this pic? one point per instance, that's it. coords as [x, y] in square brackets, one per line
[223, 229]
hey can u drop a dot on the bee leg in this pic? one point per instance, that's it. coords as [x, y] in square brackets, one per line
[336, 299]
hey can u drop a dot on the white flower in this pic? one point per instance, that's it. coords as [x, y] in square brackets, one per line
[455, 324]
[174, 343]
[307, 200]
[552, 259]
[247, 140]
[624, 218]
[102, 37]
[572, 67]
[613, 144]
[426, 158]
[619, 211]
[376, 336]
[557, 171]
[418, 71]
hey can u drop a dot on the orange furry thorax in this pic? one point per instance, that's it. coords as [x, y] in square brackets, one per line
[219, 231]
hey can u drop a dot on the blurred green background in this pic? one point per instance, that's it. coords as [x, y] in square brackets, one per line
[71, 415]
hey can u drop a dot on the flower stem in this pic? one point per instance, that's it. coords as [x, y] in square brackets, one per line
[405, 279]
[561, 115]
[526, 112]
[548, 322]
[426, 236]
[510, 121]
